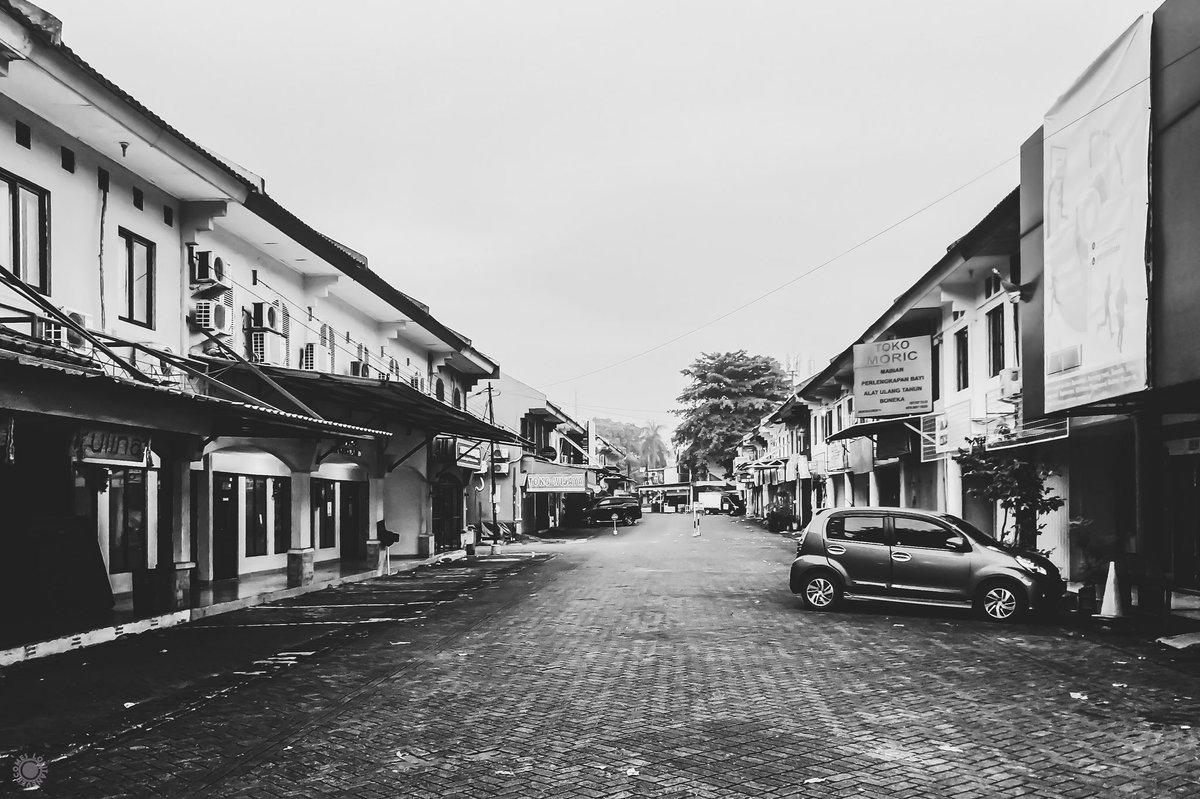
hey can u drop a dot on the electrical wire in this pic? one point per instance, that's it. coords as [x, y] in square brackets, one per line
[866, 240]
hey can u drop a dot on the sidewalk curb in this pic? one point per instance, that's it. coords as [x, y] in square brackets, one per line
[100, 635]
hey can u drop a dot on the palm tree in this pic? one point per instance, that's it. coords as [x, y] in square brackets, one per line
[652, 447]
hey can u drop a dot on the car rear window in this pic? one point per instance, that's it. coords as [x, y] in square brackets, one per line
[848, 527]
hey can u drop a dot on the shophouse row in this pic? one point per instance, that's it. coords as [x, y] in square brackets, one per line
[1060, 329]
[197, 387]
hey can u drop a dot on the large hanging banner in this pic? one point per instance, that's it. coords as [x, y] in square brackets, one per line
[1096, 179]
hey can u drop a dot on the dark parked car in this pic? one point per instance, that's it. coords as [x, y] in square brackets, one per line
[921, 557]
[627, 509]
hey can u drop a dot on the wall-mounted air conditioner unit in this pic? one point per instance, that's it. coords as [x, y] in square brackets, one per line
[266, 348]
[314, 358]
[209, 271]
[73, 337]
[360, 369]
[1010, 383]
[264, 316]
[212, 316]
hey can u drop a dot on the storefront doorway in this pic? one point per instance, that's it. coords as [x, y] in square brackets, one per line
[352, 501]
[225, 526]
[447, 521]
[1183, 520]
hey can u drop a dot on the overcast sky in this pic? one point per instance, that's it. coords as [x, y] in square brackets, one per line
[572, 183]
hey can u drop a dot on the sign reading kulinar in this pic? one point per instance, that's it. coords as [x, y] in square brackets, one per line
[893, 378]
[112, 445]
[567, 483]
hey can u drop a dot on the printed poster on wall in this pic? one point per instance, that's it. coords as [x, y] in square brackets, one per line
[1096, 182]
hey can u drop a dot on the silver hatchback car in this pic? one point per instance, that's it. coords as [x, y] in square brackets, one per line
[920, 557]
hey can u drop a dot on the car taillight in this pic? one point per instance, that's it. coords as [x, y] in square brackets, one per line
[800, 540]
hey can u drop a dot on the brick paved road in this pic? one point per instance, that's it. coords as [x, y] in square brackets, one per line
[656, 664]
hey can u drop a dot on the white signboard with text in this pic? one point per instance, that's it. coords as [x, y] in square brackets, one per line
[893, 378]
[566, 483]
[1096, 183]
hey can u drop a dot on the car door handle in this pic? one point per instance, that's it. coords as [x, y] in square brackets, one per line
[901, 556]
[834, 549]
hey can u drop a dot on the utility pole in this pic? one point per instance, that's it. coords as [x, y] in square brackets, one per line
[492, 471]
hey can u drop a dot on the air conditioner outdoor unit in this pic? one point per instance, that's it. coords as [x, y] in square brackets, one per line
[1010, 383]
[360, 369]
[73, 337]
[264, 316]
[314, 358]
[212, 316]
[266, 348]
[151, 362]
[208, 271]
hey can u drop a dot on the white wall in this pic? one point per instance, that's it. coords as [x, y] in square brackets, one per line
[75, 211]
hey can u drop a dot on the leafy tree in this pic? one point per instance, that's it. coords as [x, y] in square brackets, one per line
[728, 395]
[1019, 485]
[628, 437]
[652, 448]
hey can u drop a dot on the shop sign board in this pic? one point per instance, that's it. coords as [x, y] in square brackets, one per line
[893, 378]
[1097, 184]
[112, 445]
[564, 483]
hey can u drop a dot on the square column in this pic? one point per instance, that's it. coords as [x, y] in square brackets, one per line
[376, 553]
[203, 526]
[180, 476]
[301, 553]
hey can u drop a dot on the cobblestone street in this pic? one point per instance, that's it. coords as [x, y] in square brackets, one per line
[650, 663]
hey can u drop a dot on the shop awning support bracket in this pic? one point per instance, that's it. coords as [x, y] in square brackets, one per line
[924, 436]
[17, 285]
[396, 463]
[263, 375]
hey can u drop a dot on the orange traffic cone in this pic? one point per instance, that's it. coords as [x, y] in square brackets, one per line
[1112, 607]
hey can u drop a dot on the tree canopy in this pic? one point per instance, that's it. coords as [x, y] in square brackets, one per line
[728, 395]
[628, 437]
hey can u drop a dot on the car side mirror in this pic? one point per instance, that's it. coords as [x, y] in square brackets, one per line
[957, 543]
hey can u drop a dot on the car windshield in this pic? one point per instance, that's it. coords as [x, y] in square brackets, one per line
[964, 526]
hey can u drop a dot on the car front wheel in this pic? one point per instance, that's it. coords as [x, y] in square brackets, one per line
[820, 592]
[1000, 601]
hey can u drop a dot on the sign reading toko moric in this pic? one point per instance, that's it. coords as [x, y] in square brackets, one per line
[893, 378]
[566, 483]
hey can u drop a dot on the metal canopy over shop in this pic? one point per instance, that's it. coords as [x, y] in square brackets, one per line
[391, 400]
[874, 427]
[73, 385]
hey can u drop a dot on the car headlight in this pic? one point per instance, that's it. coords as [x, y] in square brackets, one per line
[1031, 565]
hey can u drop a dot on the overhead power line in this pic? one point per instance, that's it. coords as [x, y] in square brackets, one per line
[864, 241]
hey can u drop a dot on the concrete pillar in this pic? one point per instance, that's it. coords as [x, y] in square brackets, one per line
[376, 553]
[179, 473]
[872, 488]
[301, 553]
[848, 486]
[203, 528]
[903, 484]
[954, 488]
[1146, 550]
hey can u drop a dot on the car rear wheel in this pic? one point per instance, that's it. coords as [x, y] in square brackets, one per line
[820, 591]
[1000, 601]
